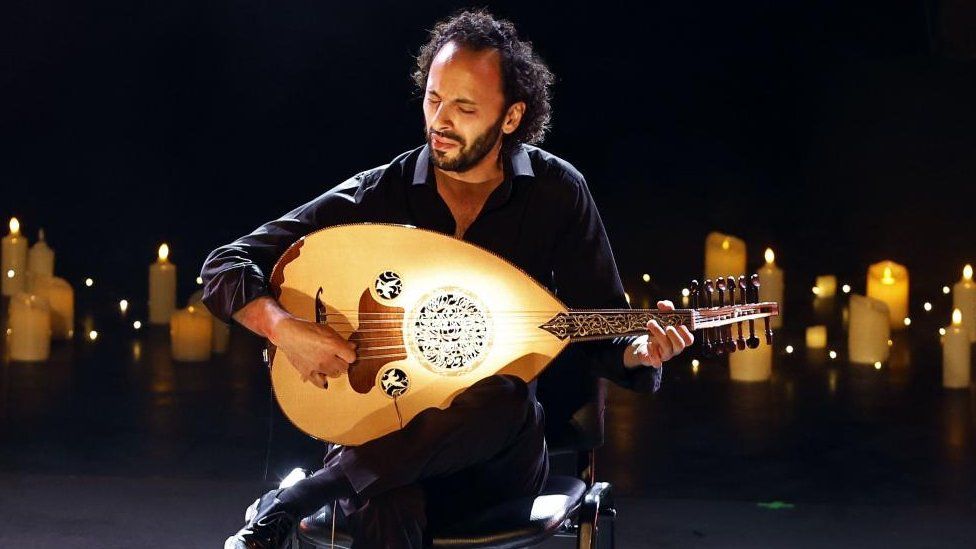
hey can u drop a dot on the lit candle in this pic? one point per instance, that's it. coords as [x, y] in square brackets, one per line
[29, 335]
[725, 256]
[956, 355]
[221, 331]
[826, 286]
[752, 364]
[816, 337]
[867, 340]
[964, 299]
[162, 288]
[61, 299]
[191, 332]
[13, 260]
[771, 286]
[888, 282]
[40, 258]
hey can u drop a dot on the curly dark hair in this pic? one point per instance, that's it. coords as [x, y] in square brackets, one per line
[525, 77]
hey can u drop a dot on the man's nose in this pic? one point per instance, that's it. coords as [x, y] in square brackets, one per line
[441, 120]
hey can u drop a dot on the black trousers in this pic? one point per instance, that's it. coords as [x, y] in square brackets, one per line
[486, 447]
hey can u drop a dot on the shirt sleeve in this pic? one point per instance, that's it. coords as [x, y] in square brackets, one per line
[237, 273]
[586, 277]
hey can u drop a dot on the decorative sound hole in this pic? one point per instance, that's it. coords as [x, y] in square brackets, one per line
[388, 285]
[450, 332]
[394, 382]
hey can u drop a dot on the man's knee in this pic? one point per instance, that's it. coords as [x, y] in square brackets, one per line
[504, 395]
[395, 518]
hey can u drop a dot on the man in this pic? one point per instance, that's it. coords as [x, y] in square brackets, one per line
[486, 97]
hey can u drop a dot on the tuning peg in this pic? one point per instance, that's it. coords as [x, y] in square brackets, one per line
[753, 295]
[720, 331]
[706, 301]
[695, 292]
[769, 331]
[730, 344]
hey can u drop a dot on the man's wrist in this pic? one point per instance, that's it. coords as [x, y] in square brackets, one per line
[632, 353]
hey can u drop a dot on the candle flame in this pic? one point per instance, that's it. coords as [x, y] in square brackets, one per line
[877, 365]
[886, 278]
[14, 226]
[726, 244]
[646, 277]
[770, 256]
[967, 272]
[163, 252]
[685, 292]
[190, 308]
[123, 305]
[956, 317]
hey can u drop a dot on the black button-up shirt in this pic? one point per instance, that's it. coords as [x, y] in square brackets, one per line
[540, 218]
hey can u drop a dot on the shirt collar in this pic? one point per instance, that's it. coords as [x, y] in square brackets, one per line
[517, 164]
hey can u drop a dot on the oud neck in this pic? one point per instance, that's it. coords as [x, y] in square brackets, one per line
[601, 324]
[598, 324]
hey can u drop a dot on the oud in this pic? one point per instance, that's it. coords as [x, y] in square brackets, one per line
[431, 315]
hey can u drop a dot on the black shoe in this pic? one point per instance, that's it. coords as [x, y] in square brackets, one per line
[269, 526]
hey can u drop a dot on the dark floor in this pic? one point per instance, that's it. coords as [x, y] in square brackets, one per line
[111, 444]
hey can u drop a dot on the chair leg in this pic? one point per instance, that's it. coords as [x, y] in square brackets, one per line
[587, 533]
[589, 515]
[610, 516]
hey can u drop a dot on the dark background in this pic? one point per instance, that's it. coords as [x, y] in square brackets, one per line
[840, 133]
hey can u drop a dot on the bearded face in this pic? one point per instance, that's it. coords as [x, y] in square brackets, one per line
[465, 112]
[452, 152]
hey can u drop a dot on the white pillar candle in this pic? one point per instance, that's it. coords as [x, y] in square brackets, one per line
[725, 256]
[162, 288]
[869, 332]
[888, 282]
[13, 260]
[40, 258]
[29, 332]
[816, 337]
[752, 364]
[771, 286]
[221, 331]
[61, 299]
[956, 354]
[964, 299]
[191, 333]
[826, 286]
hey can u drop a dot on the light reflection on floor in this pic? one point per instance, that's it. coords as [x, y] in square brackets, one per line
[820, 430]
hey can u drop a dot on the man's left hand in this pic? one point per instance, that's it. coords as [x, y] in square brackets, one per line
[660, 344]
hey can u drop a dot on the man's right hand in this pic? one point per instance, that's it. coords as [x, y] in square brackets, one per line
[315, 350]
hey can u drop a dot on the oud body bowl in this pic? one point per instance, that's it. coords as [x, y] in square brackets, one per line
[430, 315]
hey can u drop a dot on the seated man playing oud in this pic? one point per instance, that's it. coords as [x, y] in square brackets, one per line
[478, 178]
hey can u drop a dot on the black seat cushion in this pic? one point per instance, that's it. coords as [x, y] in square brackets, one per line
[516, 523]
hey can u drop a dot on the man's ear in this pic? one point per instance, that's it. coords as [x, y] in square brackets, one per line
[513, 117]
